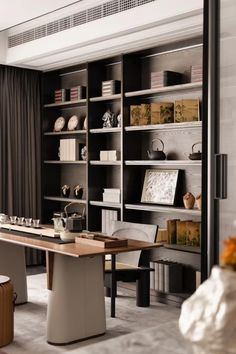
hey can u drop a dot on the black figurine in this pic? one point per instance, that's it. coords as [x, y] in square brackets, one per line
[65, 191]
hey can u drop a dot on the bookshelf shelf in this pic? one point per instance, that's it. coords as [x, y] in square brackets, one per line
[190, 249]
[66, 103]
[169, 126]
[105, 204]
[105, 98]
[162, 163]
[105, 163]
[72, 132]
[66, 200]
[105, 130]
[163, 209]
[166, 89]
[65, 162]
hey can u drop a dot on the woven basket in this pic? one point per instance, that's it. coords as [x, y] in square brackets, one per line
[6, 311]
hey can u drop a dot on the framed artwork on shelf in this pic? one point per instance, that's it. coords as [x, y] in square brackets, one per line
[159, 186]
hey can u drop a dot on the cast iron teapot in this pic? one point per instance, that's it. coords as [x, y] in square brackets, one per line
[157, 154]
[74, 222]
[195, 155]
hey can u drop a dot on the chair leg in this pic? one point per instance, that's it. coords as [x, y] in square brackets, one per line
[108, 291]
[143, 290]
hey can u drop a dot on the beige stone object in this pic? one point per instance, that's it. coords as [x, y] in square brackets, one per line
[189, 200]
[199, 201]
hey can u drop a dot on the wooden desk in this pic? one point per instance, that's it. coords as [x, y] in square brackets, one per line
[76, 307]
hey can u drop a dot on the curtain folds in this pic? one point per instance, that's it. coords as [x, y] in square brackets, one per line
[20, 147]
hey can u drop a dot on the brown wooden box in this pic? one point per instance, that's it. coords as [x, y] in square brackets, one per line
[193, 233]
[187, 110]
[135, 113]
[101, 241]
[145, 117]
[162, 112]
[162, 235]
[181, 232]
[171, 231]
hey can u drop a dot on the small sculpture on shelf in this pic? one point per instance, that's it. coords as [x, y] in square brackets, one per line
[65, 190]
[84, 153]
[85, 123]
[78, 191]
[189, 200]
[109, 119]
[199, 201]
[118, 118]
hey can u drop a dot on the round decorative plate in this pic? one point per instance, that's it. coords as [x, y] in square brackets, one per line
[73, 123]
[59, 124]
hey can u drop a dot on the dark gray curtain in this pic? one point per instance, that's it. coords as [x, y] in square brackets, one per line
[20, 160]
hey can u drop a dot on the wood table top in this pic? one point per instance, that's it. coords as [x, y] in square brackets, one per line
[75, 249]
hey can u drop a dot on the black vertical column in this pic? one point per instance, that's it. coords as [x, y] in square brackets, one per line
[210, 214]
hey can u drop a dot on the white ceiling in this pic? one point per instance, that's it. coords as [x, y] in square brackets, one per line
[14, 12]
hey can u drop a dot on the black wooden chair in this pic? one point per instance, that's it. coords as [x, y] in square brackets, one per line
[131, 266]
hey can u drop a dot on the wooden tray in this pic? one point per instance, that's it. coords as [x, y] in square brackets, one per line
[101, 241]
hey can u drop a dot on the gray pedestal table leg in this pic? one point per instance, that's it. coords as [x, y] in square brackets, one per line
[76, 305]
[12, 264]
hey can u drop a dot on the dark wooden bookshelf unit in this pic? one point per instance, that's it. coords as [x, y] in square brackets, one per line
[133, 70]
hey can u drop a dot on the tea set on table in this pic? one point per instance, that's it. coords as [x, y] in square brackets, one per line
[19, 221]
[68, 227]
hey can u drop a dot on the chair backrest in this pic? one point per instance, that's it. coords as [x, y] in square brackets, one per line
[135, 231]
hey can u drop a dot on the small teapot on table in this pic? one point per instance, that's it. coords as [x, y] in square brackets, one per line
[156, 154]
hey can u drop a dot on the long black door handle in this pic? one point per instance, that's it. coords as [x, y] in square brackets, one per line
[221, 176]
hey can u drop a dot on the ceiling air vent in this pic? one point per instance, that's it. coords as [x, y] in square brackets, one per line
[92, 14]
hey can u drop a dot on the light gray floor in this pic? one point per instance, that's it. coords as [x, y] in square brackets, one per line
[134, 330]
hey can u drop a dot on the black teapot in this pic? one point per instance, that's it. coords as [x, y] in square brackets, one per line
[76, 221]
[195, 155]
[156, 154]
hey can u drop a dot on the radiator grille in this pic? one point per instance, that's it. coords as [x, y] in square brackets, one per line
[92, 14]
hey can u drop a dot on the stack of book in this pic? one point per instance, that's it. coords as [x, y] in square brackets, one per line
[167, 277]
[165, 78]
[70, 149]
[77, 93]
[107, 217]
[196, 73]
[111, 195]
[60, 95]
[109, 155]
[110, 87]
